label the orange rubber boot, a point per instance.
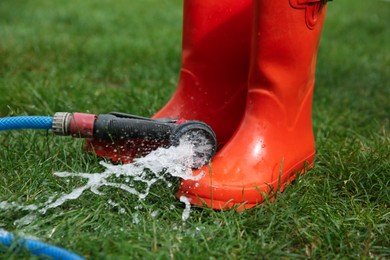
(215, 63)
(214, 75)
(275, 140)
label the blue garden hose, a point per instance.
(26, 122)
(7, 239)
(38, 248)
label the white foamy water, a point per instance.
(28, 219)
(157, 166)
(187, 209)
(4, 205)
(3, 232)
(173, 161)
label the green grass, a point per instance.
(101, 56)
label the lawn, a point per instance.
(102, 56)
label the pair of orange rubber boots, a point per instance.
(248, 71)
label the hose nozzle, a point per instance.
(112, 134)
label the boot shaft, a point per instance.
(215, 62)
(285, 41)
(216, 39)
(286, 35)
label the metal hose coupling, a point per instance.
(74, 124)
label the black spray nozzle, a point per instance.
(114, 127)
(120, 126)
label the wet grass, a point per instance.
(100, 56)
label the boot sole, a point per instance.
(290, 175)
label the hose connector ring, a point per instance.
(61, 123)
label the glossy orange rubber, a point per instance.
(215, 62)
(275, 140)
